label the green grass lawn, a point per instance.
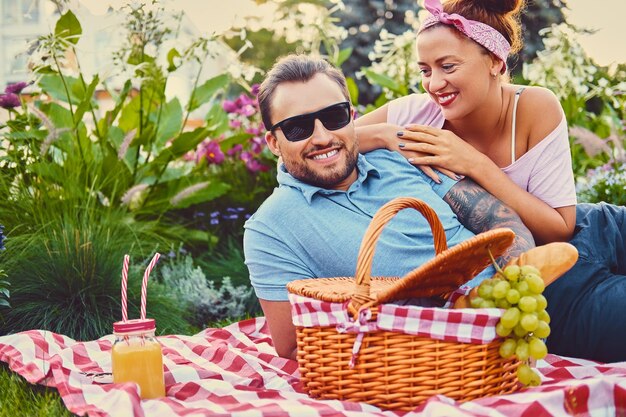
(19, 398)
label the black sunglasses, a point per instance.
(300, 127)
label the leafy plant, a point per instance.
(205, 301)
(593, 97)
(393, 67)
(4, 290)
(606, 182)
(65, 275)
(242, 161)
(80, 186)
(132, 155)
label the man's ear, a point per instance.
(272, 143)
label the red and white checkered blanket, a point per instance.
(234, 371)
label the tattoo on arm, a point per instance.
(480, 211)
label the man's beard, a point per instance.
(328, 178)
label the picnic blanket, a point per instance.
(234, 371)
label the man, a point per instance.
(313, 223)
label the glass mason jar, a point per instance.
(136, 357)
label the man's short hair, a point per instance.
(295, 68)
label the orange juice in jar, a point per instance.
(136, 357)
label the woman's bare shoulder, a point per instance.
(539, 113)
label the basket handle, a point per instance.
(361, 294)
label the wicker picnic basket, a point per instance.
(394, 370)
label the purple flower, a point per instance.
(254, 165)
(16, 88)
(245, 156)
(254, 131)
(247, 105)
(247, 110)
(255, 89)
(229, 106)
(213, 153)
(235, 150)
(258, 144)
(1, 237)
(9, 101)
(243, 100)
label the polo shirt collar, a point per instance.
(364, 169)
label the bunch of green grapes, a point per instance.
(525, 322)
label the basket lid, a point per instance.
(447, 271)
(443, 274)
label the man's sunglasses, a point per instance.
(300, 127)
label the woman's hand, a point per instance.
(440, 148)
(394, 142)
(385, 136)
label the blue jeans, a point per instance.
(588, 303)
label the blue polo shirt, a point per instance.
(303, 231)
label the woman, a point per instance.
(514, 143)
(511, 140)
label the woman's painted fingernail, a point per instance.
(400, 133)
(410, 160)
(438, 180)
(400, 145)
(458, 177)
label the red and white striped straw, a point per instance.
(144, 284)
(124, 288)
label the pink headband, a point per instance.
(479, 32)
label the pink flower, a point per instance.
(229, 106)
(254, 131)
(235, 124)
(234, 150)
(245, 156)
(16, 88)
(212, 152)
(247, 110)
(254, 165)
(258, 144)
(243, 100)
(9, 101)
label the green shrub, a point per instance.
(606, 183)
(130, 157)
(79, 188)
(65, 275)
(593, 99)
(205, 301)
